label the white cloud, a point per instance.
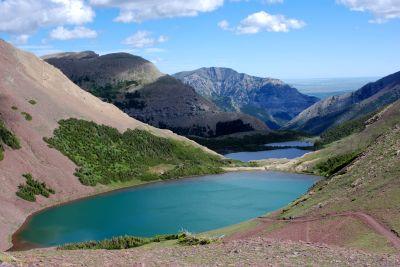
(24, 17)
(144, 39)
(141, 10)
(40, 50)
(383, 10)
(21, 39)
(224, 24)
(262, 21)
(78, 32)
(273, 1)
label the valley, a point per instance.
(303, 175)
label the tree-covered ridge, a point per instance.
(105, 155)
(7, 138)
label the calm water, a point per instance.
(197, 205)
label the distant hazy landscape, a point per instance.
(325, 87)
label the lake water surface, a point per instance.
(288, 150)
(194, 204)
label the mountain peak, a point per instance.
(270, 100)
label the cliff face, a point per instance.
(338, 109)
(270, 100)
(29, 85)
(139, 89)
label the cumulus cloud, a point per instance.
(144, 39)
(141, 10)
(224, 24)
(21, 39)
(78, 32)
(383, 10)
(263, 21)
(24, 17)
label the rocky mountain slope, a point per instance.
(338, 109)
(34, 97)
(270, 100)
(139, 89)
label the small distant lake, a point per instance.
(289, 150)
(195, 204)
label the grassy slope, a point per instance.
(370, 184)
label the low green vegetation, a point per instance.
(7, 138)
(341, 131)
(109, 92)
(188, 239)
(122, 242)
(335, 164)
(33, 188)
(247, 142)
(27, 116)
(104, 155)
(126, 242)
(32, 102)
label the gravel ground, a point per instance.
(248, 252)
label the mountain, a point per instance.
(338, 109)
(139, 89)
(270, 100)
(66, 138)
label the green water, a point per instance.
(195, 204)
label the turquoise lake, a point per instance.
(194, 204)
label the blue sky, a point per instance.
(284, 39)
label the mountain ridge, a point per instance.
(338, 109)
(143, 92)
(268, 99)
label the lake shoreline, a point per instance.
(16, 243)
(20, 245)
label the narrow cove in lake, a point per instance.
(194, 204)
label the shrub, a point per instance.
(104, 155)
(32, 102)
(334, 164)
(33, 188)
(122, 242)
(14, 108)
(27, 116)
(188, 239)
(7, 138)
